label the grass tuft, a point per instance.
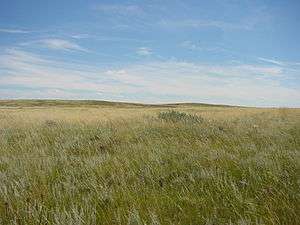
(176, 116)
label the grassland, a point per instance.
(116, 163)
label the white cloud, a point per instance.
(166, 81)
(190, 45)
(289, 64)
(60, 44)
(279, 63)
(144, 51)
(80, 36)
(259, 70)
(232, 84)
(204, 23)
(13, 31)
(121, 9)
(34, 71)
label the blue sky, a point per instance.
(218, 51)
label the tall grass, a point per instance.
(168, 168)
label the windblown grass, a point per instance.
(154, 166)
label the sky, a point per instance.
(238, 52)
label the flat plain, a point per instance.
(89, 162)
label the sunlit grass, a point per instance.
(188, 165)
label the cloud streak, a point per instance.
(196, 24)
(14, 31)
(144, 51)
(189, 45)
(120, 9)
(61, 44)
(276, 62)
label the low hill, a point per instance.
(95, 103)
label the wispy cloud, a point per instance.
(14, 31)
(232, 84)
(276, 62)
(61, 44)
(80, 36)
(121, 9)
(166, 81)
(288, 64)
(144, 51)
(201, 47)
(28, 70)
(204, 23)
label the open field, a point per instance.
(119, 163)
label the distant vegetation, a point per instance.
(69, 103)
(175, 116)
(183, 165)
(89, 103)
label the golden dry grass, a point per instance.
(87, 114)
(129, 164)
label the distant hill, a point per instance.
(95, 103)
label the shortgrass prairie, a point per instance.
(138, 164)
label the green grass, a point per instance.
(168, 168)
(90, 103)
(68, 103)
